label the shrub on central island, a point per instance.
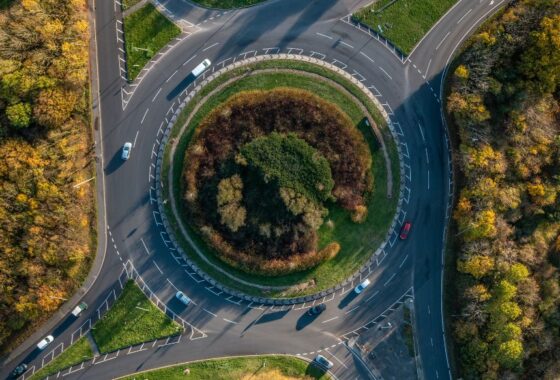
(262, 169)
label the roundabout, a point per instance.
(227, 316)
(346, 229)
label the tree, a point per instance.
(476, 266)
(19, 115)
(510, 353)
(541, 61)
(54, 106)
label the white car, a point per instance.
(182, 297)
(45, 342)
(127, 147)
(361, 286)
(323, 361)
(202, 66)
(78, 309)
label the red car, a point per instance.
(405, 230)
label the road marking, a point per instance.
(143, 117)
(373, 295)
(209, 312)
(389, 280)
(188, 60)
(432, 341)
(158, 268)
(465, 15)
(210, 47)
(429, 311)
(422, 132)
(331, 319)
(402, 263)
(385, 72)
(441, 42)
(351, 310)
(347, 44)
(144, 244)
(338, 360)
(437, 374)
(135, 137)
(170, 283)
(172, 75)
(227, 320)
(324, 35)
(427, 157)
(365, 55)
(427, 69)
(155, 96)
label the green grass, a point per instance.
(129, 3)
(75, 354)
(227, 4)
(251, 367)
(357, 240)
(404, 22)
(146, 31)
(133, 319)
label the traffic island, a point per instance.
(279, 367)
(340, 230)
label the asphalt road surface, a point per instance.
(219, 324)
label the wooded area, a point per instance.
(504, 105)
(46, 222)
(259, 170)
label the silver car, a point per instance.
(182, 297)
(127, 147)
(323, 361)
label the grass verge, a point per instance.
(358, 241)
(403, 22)
(129, 3)
(133, 319)
(146, 32)
(227, 4)
(77, 353)
(241, 368)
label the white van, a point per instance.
(201, 67)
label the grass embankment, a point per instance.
(358, 241)
(77, 353)
(146, 32)
(133, 319)
(227, 4)
(403, 22)
(242, 368)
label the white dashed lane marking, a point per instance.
(324, 35)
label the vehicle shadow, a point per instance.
(181, 87)
(347, 300)
(305, 320)
(271, 317)
(115, 163)
(315, 371)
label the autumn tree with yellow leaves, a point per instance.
(46, 240)
(504, 103)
